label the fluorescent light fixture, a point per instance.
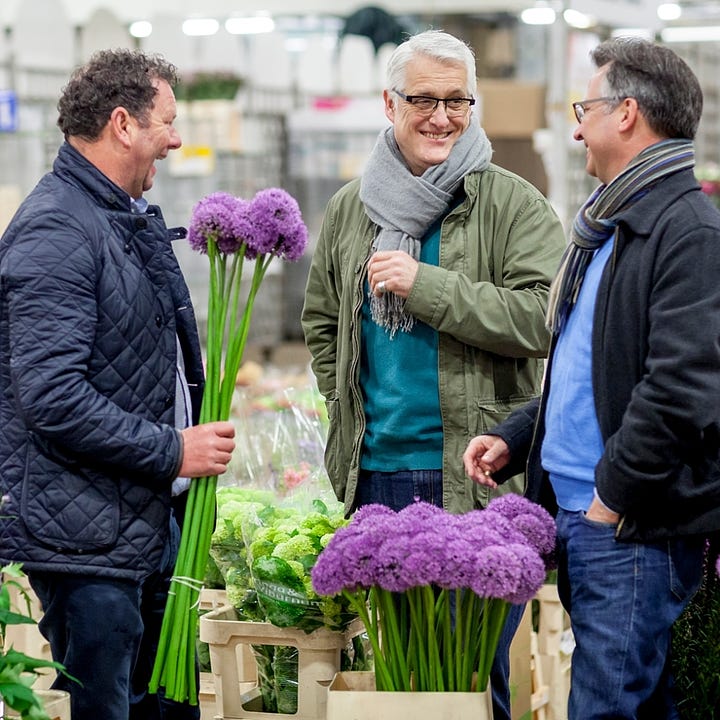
(250, 25)
(141, 29)
(698, 33)
(538, 16)
(200, 26)
(669, 11)
(577, 19)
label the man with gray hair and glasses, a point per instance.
(425, 302)
(626, 438)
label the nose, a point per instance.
(439, 114)
(175, 140)
(577, 133)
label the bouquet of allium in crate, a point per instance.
(433, 589)
(229, 230)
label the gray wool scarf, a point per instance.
(405, 205)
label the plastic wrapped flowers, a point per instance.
(229, 230)
(433, 589)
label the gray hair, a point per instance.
(435, 44)
(666, 89)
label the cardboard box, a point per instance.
(352, 696)
(510, 109)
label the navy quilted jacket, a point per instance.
(91, 302)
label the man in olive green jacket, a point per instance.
(425, 302)
(499, 251)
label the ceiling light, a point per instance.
(698, 33)
(140, 29)
(200, 26)
(577, 19)
(538, 15)
(669, 11)
(250, 25)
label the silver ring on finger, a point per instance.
(381, 286)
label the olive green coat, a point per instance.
(499, 250)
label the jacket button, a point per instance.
(141, 223)
(168, 401)
(158, 320)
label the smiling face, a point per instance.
(598, 130)
(154, 139)
(426, 141)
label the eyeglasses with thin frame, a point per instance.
(427, 105)
(580, 109)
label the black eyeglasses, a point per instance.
(580, 109)
(426, 105)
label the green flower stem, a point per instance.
(239, 335)
(495, 613)
(443, 613)
(469, 615)
(417, 655)
(391, 641)
(175, 662)
(433, 650)
(357, 600)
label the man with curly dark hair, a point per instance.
(100, 383)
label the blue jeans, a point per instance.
(399, 489)
(623, 599)
(105, 631)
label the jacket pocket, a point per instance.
(333, 451)
(68, 507)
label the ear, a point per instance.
(629, 114)
(390, 108)
(121, 125)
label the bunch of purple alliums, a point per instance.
(433, 589)
(229, 230)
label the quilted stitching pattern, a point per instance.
(87, 448)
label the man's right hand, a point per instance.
(207, 449)
(485, 454)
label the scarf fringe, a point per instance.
(389, 313)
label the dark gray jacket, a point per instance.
(91, 302)
(655, 371)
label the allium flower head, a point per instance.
(278, 223)
(531, 519)
(223, 218)
(531, 576)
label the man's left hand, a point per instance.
(597, 512)
(395, 268)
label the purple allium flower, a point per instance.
(717, 566)
(223, 218)
(531, 519)
(424, 559)
(531, 576)
(496, 572)
(351, 558)
(278, 224)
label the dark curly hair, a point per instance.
(110, 79)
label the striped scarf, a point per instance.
(597, 219)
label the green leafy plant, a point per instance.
(18, 671)
(696, 661)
